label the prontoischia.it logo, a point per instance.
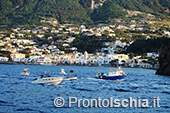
(111, 102)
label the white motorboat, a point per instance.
(25, 72)
(72, 78)
(62, 72)
(47, 79)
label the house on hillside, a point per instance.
(17, 55)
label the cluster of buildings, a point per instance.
(24, 48)
(77, 58)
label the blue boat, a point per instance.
(113, 75)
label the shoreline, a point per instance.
(21, 63)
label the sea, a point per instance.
(18, 94)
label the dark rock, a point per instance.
(164, 59)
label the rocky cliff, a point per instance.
(164, 59)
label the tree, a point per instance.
(114, 62)
(131, 55)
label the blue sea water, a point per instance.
(18, 94)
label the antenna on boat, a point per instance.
(97, 71)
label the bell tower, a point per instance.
(92, 4)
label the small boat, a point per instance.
(25, 72)
(116, 75)
(71, 78)
(47, 79)
(62, 72)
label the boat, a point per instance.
(112, 75)
(25, 72)
(71, 71)
(62, 72)
(72, 78)
(48, 80)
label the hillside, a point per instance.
(13, 12)
(144, 46)
(107, 11)
(31, 11)
(114, 8)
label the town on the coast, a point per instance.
(55, 44)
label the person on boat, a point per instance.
(71, 76)
(71, 71)
(110, 70)
(67, 77)
(24, 70)
(97, 74)
(123, 73)
(48, 75)
(119, 68)
(42, 76)
(34, 79)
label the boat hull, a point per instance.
(112, 77)
(63, 73)
(72, 78)
(27, 73)
(48, 80)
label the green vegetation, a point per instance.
(144, 46)
(89, 44)
(30, 12)
(108, 11)
(149, 6)
(26, 52)
(5, 53)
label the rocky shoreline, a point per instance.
(164, 59)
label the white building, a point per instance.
(146, 65)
